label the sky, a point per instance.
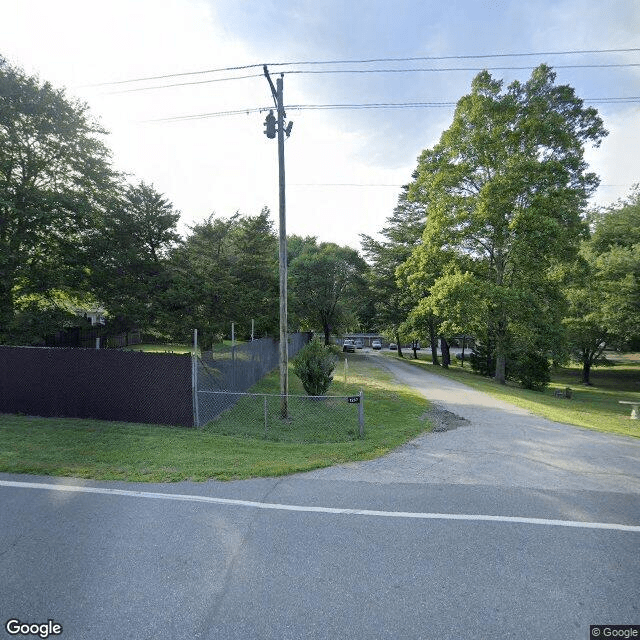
(344, 167)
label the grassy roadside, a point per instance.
(104, 450)
(595, 407)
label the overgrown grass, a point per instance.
(594, 407)
(150, 453)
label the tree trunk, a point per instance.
(327, 335)
(414, 346)
(446, 354)
(398, 343)
(501, 361)
(586, 371)
(464, 343)
(434, 342)
(501, 328)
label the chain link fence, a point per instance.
(239, 368)
(234, 370)
(222, 402)
(165, 388)
(308, 418)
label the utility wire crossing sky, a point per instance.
(369, 84)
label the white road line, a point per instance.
(328, 510)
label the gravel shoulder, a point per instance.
(479, 440)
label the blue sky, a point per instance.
(344, 168)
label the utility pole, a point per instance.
(270, 132)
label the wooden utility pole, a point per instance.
(270, 132)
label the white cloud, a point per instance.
(615, 161)
(227, 164)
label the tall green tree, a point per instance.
(254, 266)
(402, 232)
(614, 250)
(505, 188)
(604, 295)
(225, 271)
(325, 280)
(55, 173)
(127, 252)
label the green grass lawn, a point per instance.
(172, 347)
(150, 453)
(595, 407)
(160, 348)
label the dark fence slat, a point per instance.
(102, 384)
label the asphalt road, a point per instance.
(355, 551)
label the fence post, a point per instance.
(234, 386)
(346, 370)
(194, 379)
(361, 413)
(265, 418)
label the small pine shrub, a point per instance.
(531, 370)
(314, 365)
(483, 360)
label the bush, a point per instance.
(314, 365)
(483, 360)
(531, 370)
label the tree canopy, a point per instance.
(225, 271)
(55, 172)
(126, 252)
(325, 280)
(604, 293)
(401, 234)
(505, 188)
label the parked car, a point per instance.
(349, 345)
(393, 346)
(359, 343)
(376, 344)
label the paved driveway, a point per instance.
(490, 442)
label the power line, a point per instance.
(451, 69)
(358, 106)
(184, 84)
(371, 184)
(371, 71)
(213, 114)
(176, 75)
(342, 184)
(371, 105)
(365, 61)
(461, 57)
